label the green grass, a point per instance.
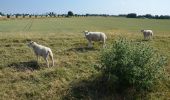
(75, 72)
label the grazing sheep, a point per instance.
(43, 51)
(147, 34)
(95, 36)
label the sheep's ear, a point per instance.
(31, 42)
(86, 31)
(28, 40)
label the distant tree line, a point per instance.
(51, 14)
(149, 16)
(71, 14)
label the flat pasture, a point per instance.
(75, 64)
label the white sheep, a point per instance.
(95, 36)
(147, 34)
(43, 51)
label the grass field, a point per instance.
(75, 68)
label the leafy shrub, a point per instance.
(134, 65)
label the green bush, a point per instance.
(135, 65)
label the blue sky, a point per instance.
(155, 7)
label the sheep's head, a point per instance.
(142, 30)
(86, 32)
(31, 43)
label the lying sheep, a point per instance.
(147, 34)
(95, 36)
(43, 51)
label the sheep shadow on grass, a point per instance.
(80, 47)
(25, 66)
(143, 40)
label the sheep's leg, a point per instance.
(150, 37)
(90, 44)
(52, 62)
(51, 56)
(37, 58)
(145, 37)
(104, 44)
(46, 59)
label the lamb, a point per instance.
(147, 34)
(95, 36)
(43, 51)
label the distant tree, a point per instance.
(8, 16)
(52, 14)
(17, 15)
(2, 14)
(87, 14)
(122, 15)
(29, 16)
(23, 16)
(161, 17)
(164, 17)
(156, 16)
(148, 16)
(70, 13)
(75, 15)
(63, 15)
(132, 15)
